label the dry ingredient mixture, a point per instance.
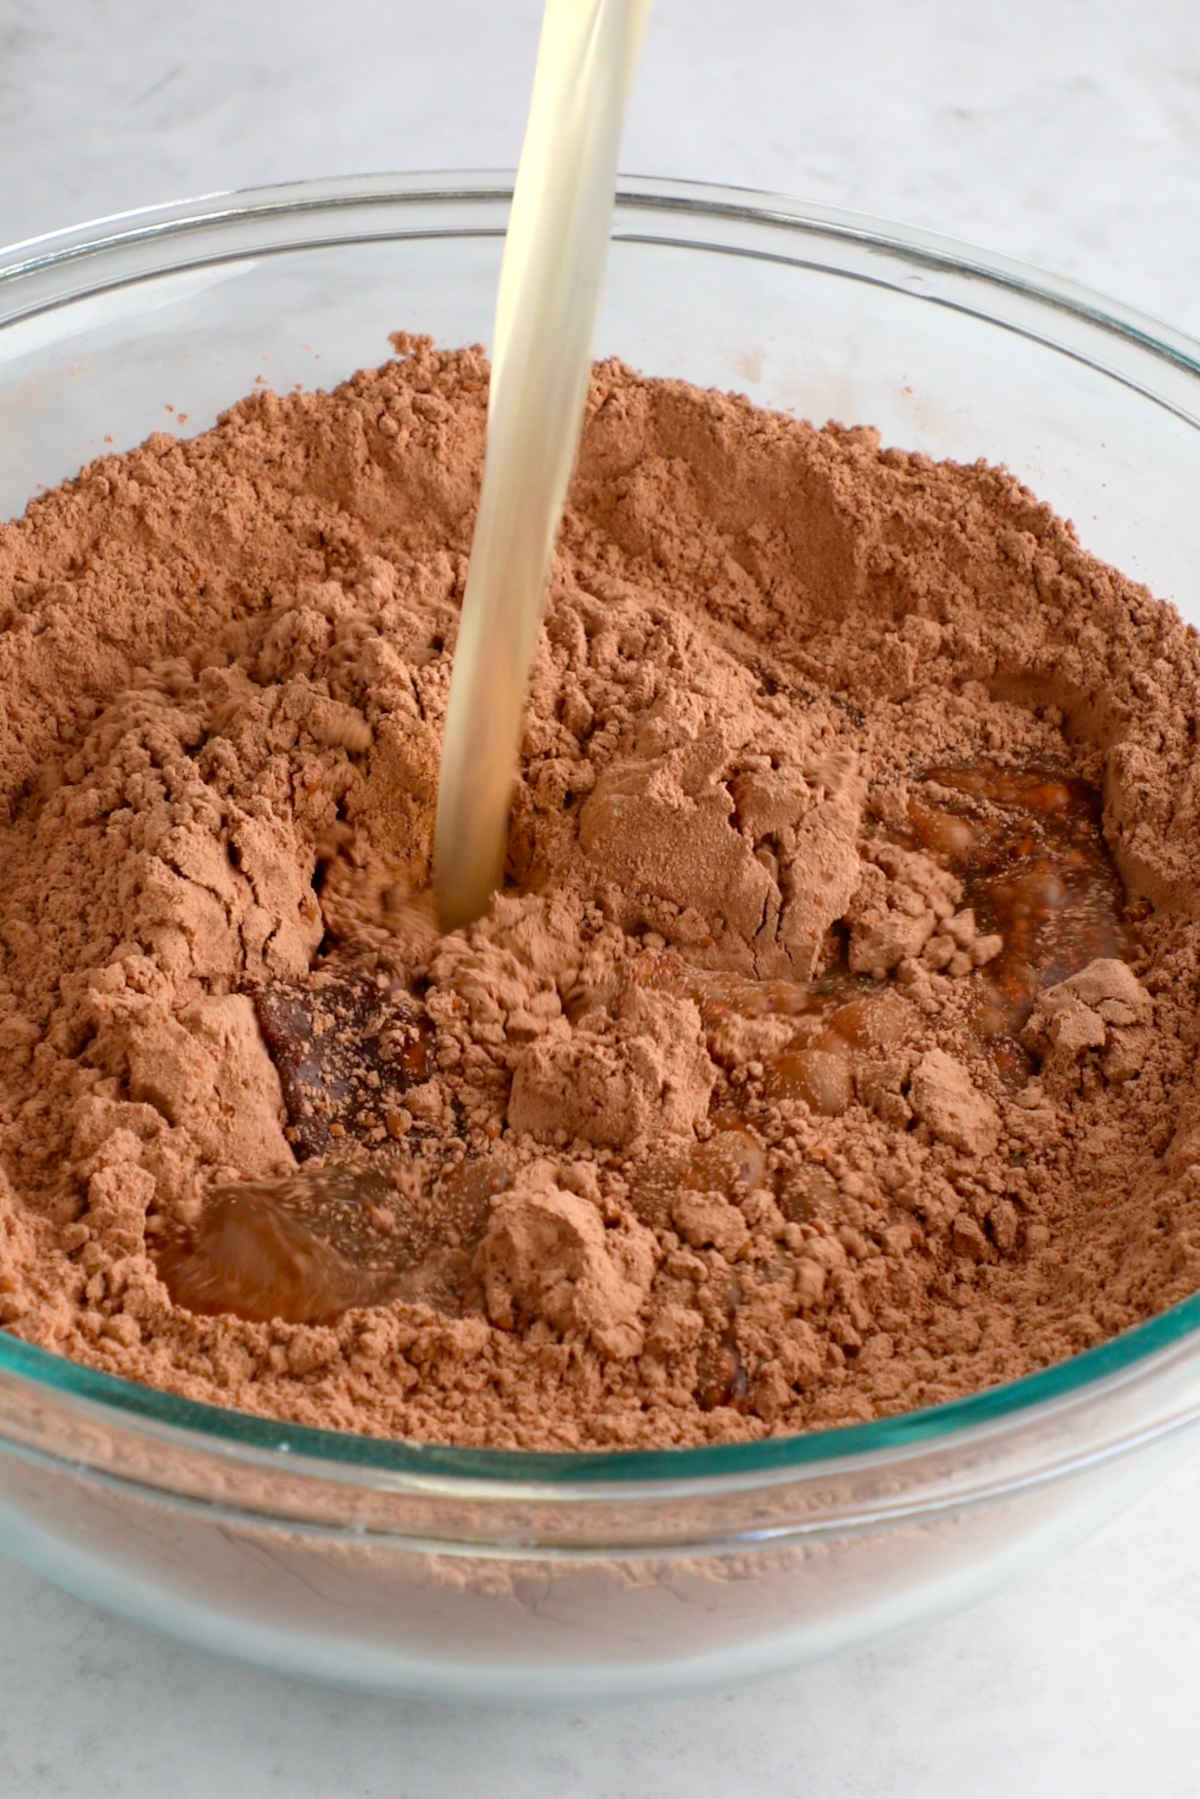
(831, 1051)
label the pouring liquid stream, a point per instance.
(292, 1248)
(550, 283)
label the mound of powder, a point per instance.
(830, 1051)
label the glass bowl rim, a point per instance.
(242, 1434)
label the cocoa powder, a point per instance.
(830, 1052)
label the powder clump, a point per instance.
(547, 1256)
(620, 1075)
(945, 1098)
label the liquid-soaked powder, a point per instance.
(830, 1052)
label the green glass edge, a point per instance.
(774, 1455)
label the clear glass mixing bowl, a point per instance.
(499, 1575)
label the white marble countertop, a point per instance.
(1065, 132)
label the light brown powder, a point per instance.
(815, 1063)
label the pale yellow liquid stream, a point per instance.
(550, 283)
